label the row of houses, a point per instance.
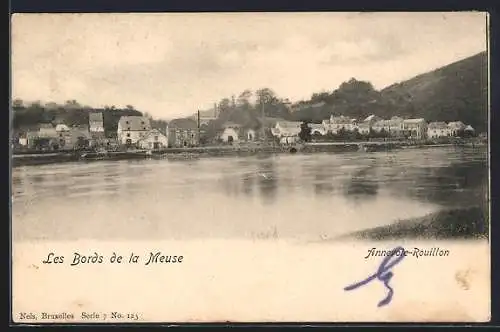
(131, 131)
(137, 131)
(185, 132)
(62, 136)
(418, 128)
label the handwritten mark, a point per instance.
(383, 274)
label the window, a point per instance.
(142, 122)
(156, 138)
(128, 134)
(126, 123)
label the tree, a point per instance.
(129, 107)
(319, 97)
(72, 104)
(342, 133)
(305, 132)
(224, 105)
(244, 98)
(266, 96)
(81, 143)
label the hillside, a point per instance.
(458, 91)
(354, 98)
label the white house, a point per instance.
(250, 134)
(287, 128)
(456, 127)
(317, 129)
(438, 129)
(231, 132)
(336, 123)
(132, 128)
(415, 128)
(47, 130)
(61, 128)
(366, 125)
(469, 129)
(23, 141)
(393, 126)
(96, 123)
(153, 140)
(287, 131)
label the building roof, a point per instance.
(135, 123)
(315, 126)
(152, 132)
(370, 118)
(456, 124)
(230, 124)
(183, 123)
(289, 124)
(341, 119)
(62, 127)
(46, 125)
(82, 127)
(95, 117)
(437, 125)
(419, 120)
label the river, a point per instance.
(291, 196)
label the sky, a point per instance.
(171, 64)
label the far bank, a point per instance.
(25, 158)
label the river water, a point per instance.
(290, 196)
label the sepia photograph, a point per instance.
(250, 167)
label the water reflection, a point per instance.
(323, 183)
(363, 184)
(267, 181)
(299, 195)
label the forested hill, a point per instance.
(454, 92)
(458, 91)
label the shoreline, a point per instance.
(45, 158)
(450, 223)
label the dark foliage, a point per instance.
(305, 132)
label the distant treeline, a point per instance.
(72, 113)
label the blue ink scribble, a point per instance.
(383, 274)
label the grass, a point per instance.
(460, 223)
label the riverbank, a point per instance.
(460, 223)
(42, 158)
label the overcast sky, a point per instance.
(172, 64)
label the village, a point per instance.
(136, 132)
